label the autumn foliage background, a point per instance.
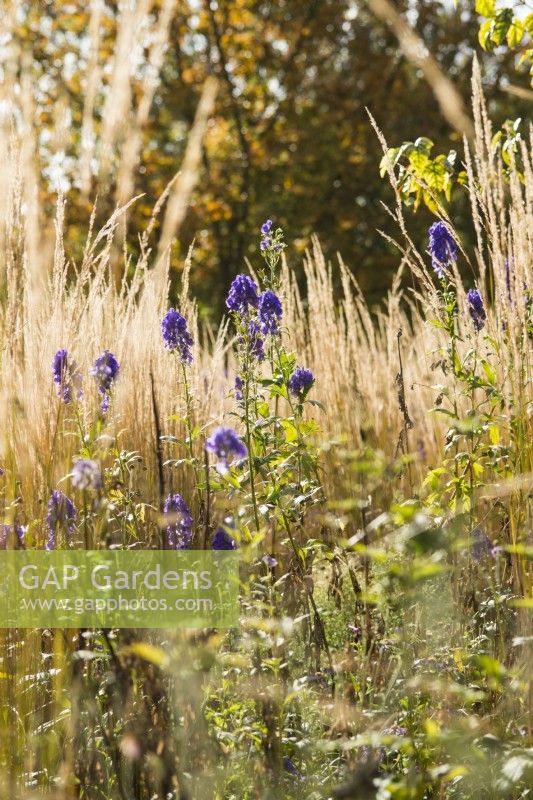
(106, 94)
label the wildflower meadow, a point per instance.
(368, 464)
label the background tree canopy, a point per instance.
(289, 138)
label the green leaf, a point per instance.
(424, 144)
(489, 372)
(500, 25)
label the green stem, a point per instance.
(249, 447)
(188, 423)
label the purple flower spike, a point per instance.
(290, 767)
(224, 443)
(105, 372)
(300, 381)
(61, 513)
(270, 312)
(255, 344)
(179, 531)
(66, 377)
(223, 541)
(176, 335)
(86, 475)
(442, 246)
(476, 309)
(242, 294)
(6, 530)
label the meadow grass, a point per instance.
(385, 647)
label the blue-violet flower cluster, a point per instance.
(223, 541)
(179, 531)
(86, 474)
(225, 444)
(61, 512)
(6, 530)
(105, 371)
(242, 294)
(300, 381)
(476, 309)
(66, 377)
(176, 335)
(270, 312)
(442, 246)
(255, 344)
(266, 227)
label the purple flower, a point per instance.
(442, 246)
(265, 243)
(223, 541)
(269, 560)
(6, 530)
(266, 227)
(242, 294)
(289, 766)
(66, 377)
(61, 512)
(476, 309)
(270, 312)
(225, 443)
(86, 474)
(176, 335)
(179, 531)
(105, 371)
(255, 343)
(395, 730)
(300, 381)
(239, 385)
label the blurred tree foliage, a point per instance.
(290, 138)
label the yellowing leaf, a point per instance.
(458, 658)
(149, 652)
(494, 434)
(515, 34)
(486, 7)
